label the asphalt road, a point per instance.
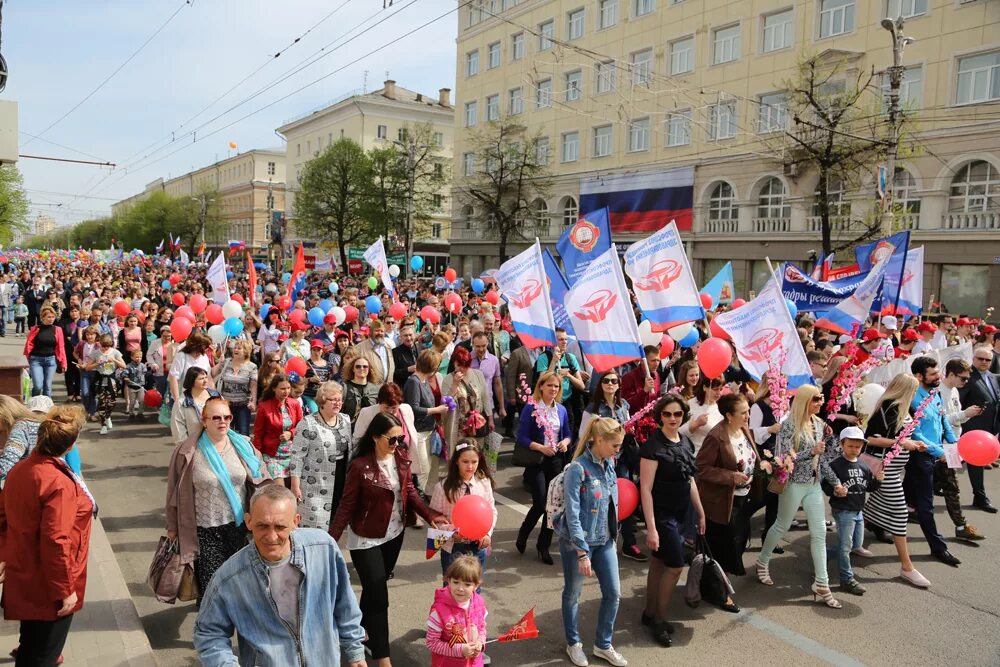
(957, 621)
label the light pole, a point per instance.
(410, 149)
(203, 212)
(895, 72)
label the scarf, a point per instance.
(246, 453)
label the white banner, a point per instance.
(217, 279)
(883, 374)
(375, 256)
(662, 280)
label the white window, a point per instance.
(546, 33)
(975, 188)
(493, 52)
(571, 212)
(722, 121)
(605, 77)
(570, 146)
(516, 106)
(575, 19)
(603, 140)
(679, 128)
(542, 150)
(638, 135)
(438, 202)
(382, 132)
(643, 7)
(911, 89)
(979, 78)
(777, 31)
(439, 139)
(470, 114)
(472, 63)
(543, 94)
(475, 15)
(642, 66)
(468, 164)
(836, 17)
(904, 191)
(836, 203)
(271, 167)
(574, 86)
(493, 107)
(771, 200)
(609, 13)
(905, 8)
(517, 46)
(722, 203)
(682, 55)
(726, 45)
(403, 134)
(772, 115)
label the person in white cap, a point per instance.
(888, 327)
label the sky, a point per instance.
(59, 51)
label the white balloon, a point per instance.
(680, 331)
(217, 333)
(232, 308)
(339, 313)
(647, 335)
(394, 270)
(867, 398)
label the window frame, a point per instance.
(564, 144)
(788, 30)
(493, 110)
(471, 113)
(774, 202)
(603, 12)
(576, 26)
(732, 41)
(547, 83)
(780, 111)
(640, 127)
(685, 127)
(603, 134)
(546, 34)
(714, 119)
(720, 207)
(469, 163)
(992, 70)
(543, 144)
(472, 63)
(849, 9)
(889, 14)
(638, 78)
(648, 5)
(519, 98)
(687, 54)
(489, 55)
(572, 85)
(517, 43)
(606, 71)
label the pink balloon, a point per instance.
(706, 301)
(450, 274)
(453, 303)
(493, 297)
(181, 328)
(628, 498)
(238, 298)
(198, 303)
(185, 312)
(980, 448)
(296, 365)
(473, 517)
(430, 314)
(714, 357)
(397, 311)
(736, 304)
(352, 314)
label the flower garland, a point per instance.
(640, 425)
(849, 376)
(777, 385)
(909, 427)
(550, 430)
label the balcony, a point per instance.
(978, 221)
(720, 227)
(838, 225)
(772, 225)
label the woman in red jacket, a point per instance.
(377, 496)
(274, 427)
(45, 517)
(46, 352)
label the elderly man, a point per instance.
(287, 596)
(982, 389)
(377, 350)
(485, 361)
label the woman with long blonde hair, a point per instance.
(802, 436)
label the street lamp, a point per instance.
(203, 212)
(410, 149)
(895, 72)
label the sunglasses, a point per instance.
(609, 381)
(218, 419)
(817, 399)
(396, 440)
(360, 367)
(964, 378)
(669, 414)
(986, 359)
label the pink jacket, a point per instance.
(450, 631)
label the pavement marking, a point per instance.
(513, 504)
(808, 646)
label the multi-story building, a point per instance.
(44, 224)
(375, 119)
(619, 87)
(248, 189)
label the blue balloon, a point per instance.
(373, 305)
(229, 275)
(689, 340)
(260, 265)
(136, 270)
(478, 285)
(792, 309)
(316, 316)
(165, 284)
(325, 305)
(333, 287)
(264, 310)
(286, 277)
(416, 262)
(233, 326)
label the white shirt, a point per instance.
(953, 409)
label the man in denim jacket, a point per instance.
(287, 595)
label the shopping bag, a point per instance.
(491, 449)
(168, 578)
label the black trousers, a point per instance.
(728, 541)
(42, 642)
(918, 485)
(769, 501)
(976, 480)
(72, 378)
(373, 566)
(537, 479)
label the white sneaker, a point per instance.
(576, 654)
(611, 655)
(864, 553)
(108, 423)
(915, 578)
(104, 430)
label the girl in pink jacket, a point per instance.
(456, 625)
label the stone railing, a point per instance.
(982, 220)
(720, 226)
(772, 225)
(837, 224)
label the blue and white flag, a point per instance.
(184, 259)
(911, 288)
(217, 279)
(159, 248)
(662, 280)
(601, 312)
(760, 330)
(523, 284)
(868, 255)
(810, 295)
(853, 311)
(583, 242)
(375, 256)
(558, 286)
(720, 288)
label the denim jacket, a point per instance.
(238, 599)
(588, 484)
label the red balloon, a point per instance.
(714, 357)
(667, 345)
(736, 304)
(181, 328)
(979, 448)
(238, 298)
(397, 311)
(450, 274)
(178, 299)
(152, 398)
(213, 313)
(718, 331)
(297, 315)
(430, 314)
(296, 365)
(628, 498)
(186, 313)
(493, 297)
(122, 308)
(473, 517)
(198, 303)
(706, 301)
(453, 303)
(285, 302)
(174, 278)
(351, 313)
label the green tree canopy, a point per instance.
(13, 203)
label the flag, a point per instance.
(436, 538)
(375, 256)
(328, 264)
(911, 289)
(843, 272)
(236, 246)
(662, 279)
(159, 248)
(869, 253)
(217, 279)
(175, 243)
(526, 628)
(881, 179)
(854, 310)
(584, 242)
(817, 272)
(601, 311)
(760, 330)
(252, 273)
(558, 286)
(811, 295)
(720, 288)
(184, 257)
(641, 202)
(522, 281)
(298, 279)
(201, 249)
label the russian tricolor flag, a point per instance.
(854, 310)
(524, 285)
(641, 202)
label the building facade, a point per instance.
(44, 224)
(643, 86)
(376, 119)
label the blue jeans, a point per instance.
(241, 418)
(87, 392)
(42, 370)
(851, 534)
(604, 561)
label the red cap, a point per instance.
(927, 326)
(910, 335)
(989, 328)
(329, 318)
(871, 334)
(342, 334)
(317, 343)
(963, 322)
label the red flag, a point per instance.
(201, 249)
(252, 270)
(298, 274)
(523, 629)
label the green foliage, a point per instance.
(13, 203)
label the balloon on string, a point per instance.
(628, 498)
(213, 313)
(350, 314)
(867, 398)
(238, 298)
(394, 270)
(691, 339)
(286, 277)
(792, 308)
(646, 333)
(233, 326)
(333, 287)
(453, 303)
(397, 311)
(680, 332)
(340, 314)
(296, 365)
(372, 282)
(265, 308)
(980, 448)
(181, 328)
(229, 275)
(122, 308)
(718, 331)
(186, 313)
(472, 516)
(136, 270)
(285, 302)
(217, 333)
(297, 316)
(178, 299)
(416, 262)
(316, 316)
(450, 274)
(736, 304)
(706, 300)
(667, 346)
(152, 398)
(325, 305)
(714, 357)
(165, 284)
(430, 314)
(493, 297)
(232, 308)
(373, 305)
(198, 303)
(174, 279)
(478, 285)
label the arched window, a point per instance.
(975, 188)
(722, 202)
(839, 207)
(904, 191)
(771, 200)
(540, 212)
(570, 211)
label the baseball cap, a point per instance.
(963, 322)
(909, 335)
(342, 334)
(40, 404)
(852, 433)
(317, 343)
(927, 326)
(871, 334)
(890, 323)
(989, 328)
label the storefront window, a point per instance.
(963, 288)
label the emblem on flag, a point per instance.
(529, 291)
(597, 306)
(660, 277)
(584, 235)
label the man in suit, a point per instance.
(983, 389)
(995, 366)
(376, 349)
(404, 355)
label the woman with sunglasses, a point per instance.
(274, 427)
(359, 391)
(803, 436)
(269, 367)
(377, 496)
(185, 417)
(210, 479)
(319, 457)
(704, 410)
(668, 494)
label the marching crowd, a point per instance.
(294, 432)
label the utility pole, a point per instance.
(895, 72)
(410, 148)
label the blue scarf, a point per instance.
(245, 450)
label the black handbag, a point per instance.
(524, 457)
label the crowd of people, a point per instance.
(295, 434)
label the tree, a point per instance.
(152, 219)
(329, 204)
(507, 176)
(384, 207)
(13, 203)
